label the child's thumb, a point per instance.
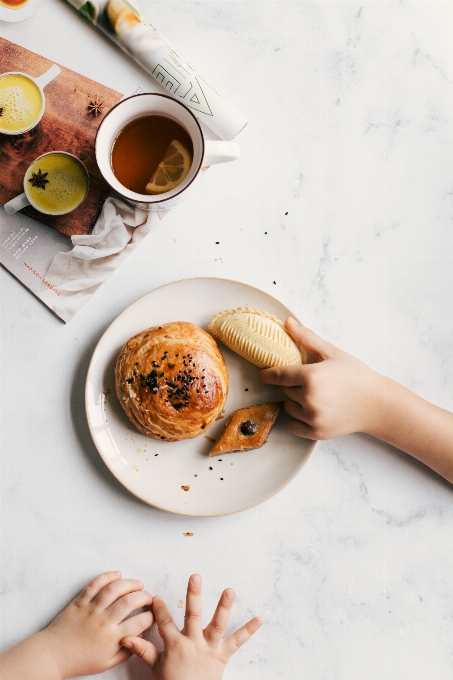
(311, 342)
(142, 648)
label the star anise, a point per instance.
(38, 179)
(1, 111)
(95, 107)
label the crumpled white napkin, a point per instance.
(78, 273)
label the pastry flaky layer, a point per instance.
(258, 337)
(172, 381)
(247, 428)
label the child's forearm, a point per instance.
(29, 660)
(415, 426)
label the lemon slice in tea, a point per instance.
(172, 170)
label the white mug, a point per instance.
(204, 152)
(41, 81)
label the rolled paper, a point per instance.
(122, 23)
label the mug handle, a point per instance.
(16, 204)
(220, 152)
(45, 78)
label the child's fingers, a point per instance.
(312, 343)
(96, 585)
(142, 648)
(295, 410)
(135, 625)
(119, 657)
(112, 592)
(232, 643)
(215, 629)
(289, 376)
(129, 603)
(168, 630)
(192, 617)
(297, 394)
(301, 429)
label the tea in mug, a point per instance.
(20, 103)
(56, 183)
(152, 155)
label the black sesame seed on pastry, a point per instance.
(172, 381)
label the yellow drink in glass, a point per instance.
(21, 103)
(56, 183)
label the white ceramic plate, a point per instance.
(155, 471)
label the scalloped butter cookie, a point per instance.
(257, 336)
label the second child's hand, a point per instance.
(193, 653)
(336, 394)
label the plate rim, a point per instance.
(87, 380)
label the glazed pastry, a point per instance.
(258, 337)
(171, 381)
(247, 428)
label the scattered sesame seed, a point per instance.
(275, 283)
(246, 389)
(211, 468)
(286, 213)
(217, 243)
(221, 479)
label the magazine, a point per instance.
(64, 271)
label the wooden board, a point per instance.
(67, 125)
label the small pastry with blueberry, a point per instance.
(247, 428)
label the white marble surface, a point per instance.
(351, 566)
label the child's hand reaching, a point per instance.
(337, 394)
(334, 394)
(192, 653)
(85, 638)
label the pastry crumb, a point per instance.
(181, 604)
(185, 487)
(188, 533)
(135, 468)
(195, 475)
(210, 439)
(284, 226)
